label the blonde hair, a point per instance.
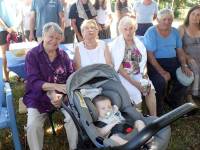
(165, 12)
(88, 22)
(126, 20)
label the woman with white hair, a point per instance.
(129, 59)
(91, 50)
(165, 55)
(47, 68)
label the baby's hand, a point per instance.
(139, 125)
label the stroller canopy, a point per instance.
(88, 76)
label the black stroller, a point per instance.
(84, 113)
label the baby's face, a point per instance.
(103, 107)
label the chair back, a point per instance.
(7, 112)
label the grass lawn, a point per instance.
(185, 131)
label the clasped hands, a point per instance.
(57, 94)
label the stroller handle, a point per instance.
(137, 141)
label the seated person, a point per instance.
(47, 68)
(165, 55)
(190, 34)
(110, 121)
(91, 50)
(129, 58)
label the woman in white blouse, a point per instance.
(91, 50)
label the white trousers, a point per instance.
(134, 93)
(35, 131)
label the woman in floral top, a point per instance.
(129, 58)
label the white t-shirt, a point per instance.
(92, 56)
(145, 13)
(103, 16)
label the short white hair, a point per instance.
(125, 21)
(165, 12)
(52, 25)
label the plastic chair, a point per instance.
(7, 113)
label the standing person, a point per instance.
(190, 34)
(165, 55)
(26, 14)
(104, 18)
(91, 50)
(145, 12)
(68, 30)
(43, 12)
(129, 58)
(47, 68)
(122, 8)
(9, 23)
(80, 11)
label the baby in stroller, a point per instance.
(86, 114)
(110, 121)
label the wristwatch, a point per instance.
(185, 65)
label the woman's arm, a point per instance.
(127, 77)
(73, 24)
(107, 56)
(54, 87)
(77, 58)
(183, 60)
(152, 60)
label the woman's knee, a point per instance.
(34, 127)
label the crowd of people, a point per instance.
(146, 56)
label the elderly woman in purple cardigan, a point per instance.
(47, 70)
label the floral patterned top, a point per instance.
(132, 58)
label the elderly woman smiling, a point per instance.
(129, 59)
(91, 50)
(165, 55)
(47, 70)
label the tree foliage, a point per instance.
(179, 6)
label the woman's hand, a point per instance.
(60, 88)
(56, 99)
(54, 87)
(141, 88)
(186, 70)
(10, 30)
(80, 38)
(138, 86)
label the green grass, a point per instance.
(185, 131)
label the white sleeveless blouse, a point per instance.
(92, 56)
